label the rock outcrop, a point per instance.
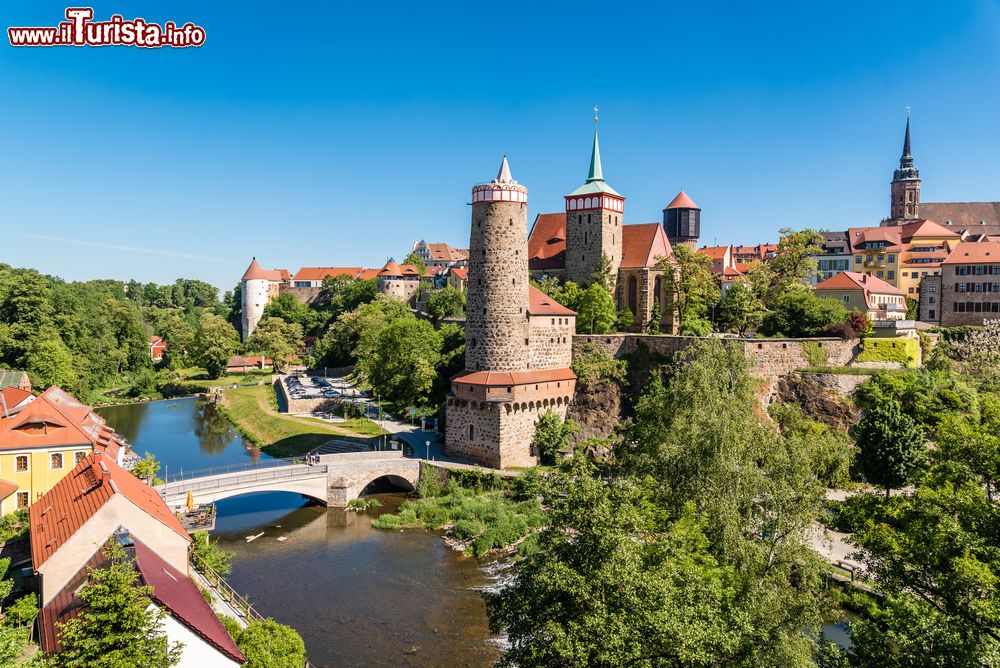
(823, 397)
(596, 408)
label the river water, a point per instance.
(358, 596)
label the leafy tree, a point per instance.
(49, 361)
(794, 264)
(689, 279)
(116, 627)
(447, 302)
(146, 468)
(695, 327)
(353, 336)
(655, 316)
(402, 365)
(624, 320)
(978, 353)
(568, 294)
(416, 261)
(912, 308)
(552, 436)
(276, 339)
(291, 310)
(973, 441)
(233, 300)
(742, 308)
(800, 313)
(12, 644)
(891, 446)
(603, 274)
(210, 554)
(22, 612)
(860, 323)
(214, 343)
(340, 294)
(593, 366)
(595, 311)
(268, 644)
(178, 335)
(924, 395)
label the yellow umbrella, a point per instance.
(190, 500)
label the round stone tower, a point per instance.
(496, 316)
(255, 293)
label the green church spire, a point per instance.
(596, 174)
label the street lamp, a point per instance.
(427, 444)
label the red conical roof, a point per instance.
(255, 271)
(682, 201)
(391, 269)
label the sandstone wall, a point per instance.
(551, 341)
(500, 435)
(304, 295)
(591, 233)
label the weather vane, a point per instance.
(595, 115)
(907, 111)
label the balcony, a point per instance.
(875, 263)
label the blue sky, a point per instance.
(338, 133)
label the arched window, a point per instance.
(658, 290)
(633, 295)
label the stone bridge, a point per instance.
(335, 481)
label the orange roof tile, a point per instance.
(6, 489)
(714, 252)
(547, 242)
(72, 501)
(53, 418)
(257, 272)
(461, 273)
(974, 251)
(643, 244)
(540, 303)
(367, 274)
(391, 268)
(319, 273)
(11, 398)
(682, 201)
(926, 228)
(505, 378)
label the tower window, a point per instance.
(472, 432)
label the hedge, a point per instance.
(905, 351)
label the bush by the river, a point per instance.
(483, 522)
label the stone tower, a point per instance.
(255, 292)
(682, 221)
(496, 321)
(518, 342)
(593, 224)
(905, 198)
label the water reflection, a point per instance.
(214, 431)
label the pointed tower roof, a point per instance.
(906, 142)
(595, 177)
(255, 271)
(682, 201)
(391, 269)
(503, 176)
(906, 171)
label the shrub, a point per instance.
(841, 330)
(210, 554)
(904, 351)
(232, 626)
(466, 529)
(387, 521)
(593, 366)
(268, 644)
(815, 354)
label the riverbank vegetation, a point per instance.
(253, 412)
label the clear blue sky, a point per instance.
(338, 133)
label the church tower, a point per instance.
(905, 199)
(593, 224)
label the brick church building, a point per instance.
(570, 244)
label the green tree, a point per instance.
(116, 627)
(276, 339)
(214, 343)
(568, 294)
(973, 441)
(146, 468)
(603, 274)
(403, 364)
(552, 436)
(655, 316)
(794, 265)
(210, 554)
(689, 279)
(179, 335)
(268, 644)
(800, 313)
(742, 309)
(624, 321)
(891, 446)
(49, 361)
(354, 335)
(291, 310)
(595, 311)
(447, 302)
(416, 261)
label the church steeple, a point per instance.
(596, 173)
(905, 198)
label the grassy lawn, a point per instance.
(252, 410)
(196, 377)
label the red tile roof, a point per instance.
(255, 272)
(682, 201)
(391, 268)
(926, 228)
(540, 303)
(714, 252)
(6, 489)
(319, 273)
(172, 591)
(974, 251)
(55, 418)
(547, 242)
(460, 273)
(444, 253)
(11, 398)
(72, 501)
(851, 280)
(367, 274)
(505, 378)
(643, 244)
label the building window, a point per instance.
(857, 258)
(932, 314)
(56, 460)
(472, 432)
(910, 290)
(892, 258)
(23, 499)
(78, 457)
(21, 463)
(847, 299)
(880, 274)
(892, 275)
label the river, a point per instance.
(358, 596)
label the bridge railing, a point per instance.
(181, 475)
(286, 472)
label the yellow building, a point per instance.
(901, 255)
(42, 438)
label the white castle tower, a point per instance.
(259, 286)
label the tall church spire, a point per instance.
(905, 188)
(596, 174)
(906, 160)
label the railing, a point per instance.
(228, 468)
(289, 471)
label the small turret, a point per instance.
(682, 220)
